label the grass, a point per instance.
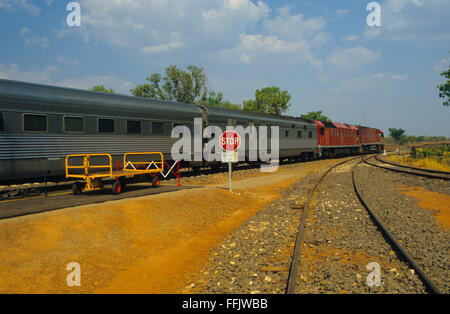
(437, 158)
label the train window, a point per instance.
(299, 133)
(157, 128)
(73, 124)
(286, 133)
(106, 125)
(322, 131)
(133, 127)
(35, 123)
(310, 134)
(1, 122)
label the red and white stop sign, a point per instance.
(230, 141)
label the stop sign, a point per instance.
(230, 141)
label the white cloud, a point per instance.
(36, 75)
(341, 12)
(377, 76)
(393, 77)
(351, 38)
(33, 41)
(399, 77)
(413, 20)
(293, 27)
(44, 76)
(37, 41)
(24, 31)
(20, 5)
(352, 58)
(232, 16)
(442, 65)
(166, 25)
(175, 43)
(66, 60)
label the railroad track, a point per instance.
(393, 166)
(293, 270)
(31, 190)
(388, 236)
(391, 238)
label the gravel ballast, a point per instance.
(340, 242)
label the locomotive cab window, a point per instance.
(299, 133)
(322, 131)
(157, 128)
(310, 134)
(34, 123)
(133, 127)
(73, 124)
(286, 133)
(106, 125)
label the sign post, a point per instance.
(230, 142)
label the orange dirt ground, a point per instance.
(150, 244)
(437, 202)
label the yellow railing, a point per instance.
(135, 164)
(87, 165)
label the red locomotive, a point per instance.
(371, 139)
(339, 139)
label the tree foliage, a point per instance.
(101, 88)
(216, 99)
(177, 85)
(444, 89)
(396, 134)
(182, 86)
(269, 100)
(315, 115)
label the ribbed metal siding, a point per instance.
(27, 147)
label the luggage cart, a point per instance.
(131, 171)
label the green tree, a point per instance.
(269, 100)
(315, 115)
(101, 88)
(396, 134)
(216, 99)
(151, 90)
(444, 89)
(179, 85)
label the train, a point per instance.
(41, 124)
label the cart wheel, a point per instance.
(77, 188)
(155, 182)
(116, 188)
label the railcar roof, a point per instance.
(217, 112)
(89, 100)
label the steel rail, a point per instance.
(411, 167)
(426, 280)
(293, 270)
(426, 175)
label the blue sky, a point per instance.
(322, 52)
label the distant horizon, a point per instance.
(323, 52)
